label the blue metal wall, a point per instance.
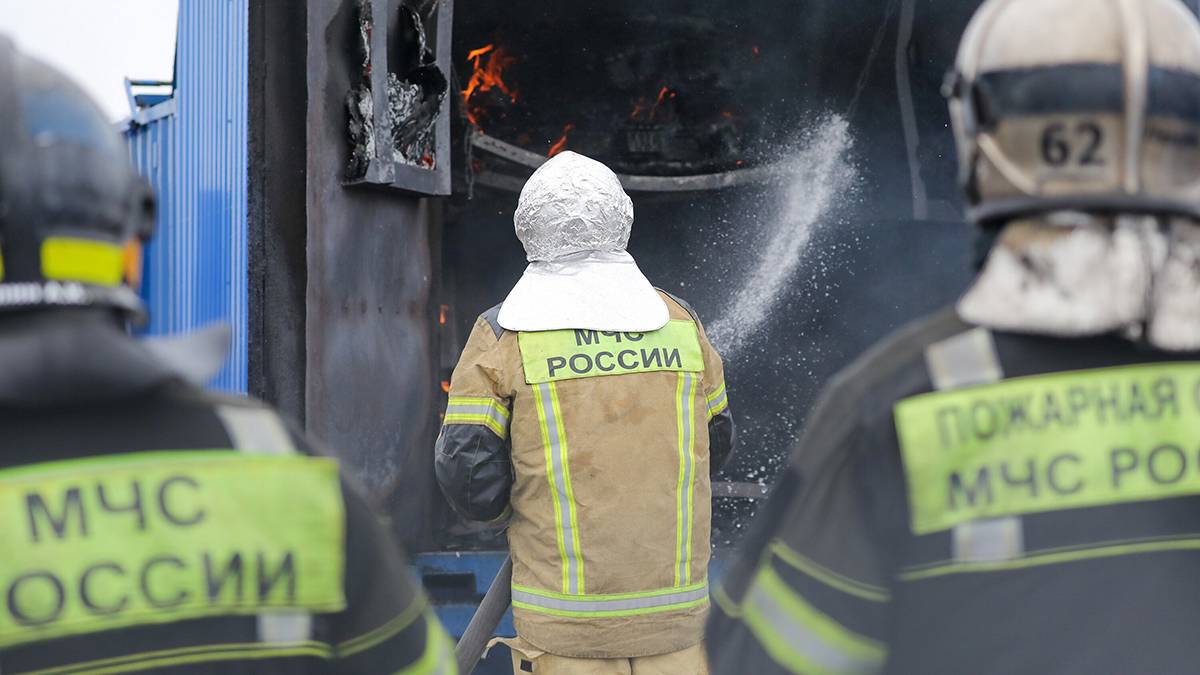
(196, 267)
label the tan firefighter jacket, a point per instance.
(602, 445)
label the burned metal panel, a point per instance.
(196, 265)
(398, 105)
(277, 231)
(370, 374)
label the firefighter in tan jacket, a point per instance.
(592, 408)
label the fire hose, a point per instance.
(483, 624)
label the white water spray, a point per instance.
(809, 185)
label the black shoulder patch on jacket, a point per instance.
(492, 317)
(682, 303)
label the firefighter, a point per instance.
(591, 408)
(148, 525)
(1013, 485)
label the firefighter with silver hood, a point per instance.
(1013, 485)
(590, 409)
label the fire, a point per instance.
(639, 106)
(474, 54)
(663, 94)
(651, 111)
(561, 144)
(487, 74)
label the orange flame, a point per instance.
(663, 94)
(639, 107)
(486, 76)
(474, 54)
(651, 111)
(561, 144)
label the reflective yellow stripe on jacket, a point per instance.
(802, 638)
(558, 472)
(481, 410)
(618, 604)
(438, 656)
(717, 401)
(685, 393)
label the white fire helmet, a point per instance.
(574, 220)
(1079, 105)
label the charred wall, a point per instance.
(340, 276)
(370, 369)
(277, 229)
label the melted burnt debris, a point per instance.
(415, 98)
(359, 106)
(416, 87)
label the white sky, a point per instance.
(97, 42)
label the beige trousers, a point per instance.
(529, 659)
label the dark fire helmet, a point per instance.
(73, 212)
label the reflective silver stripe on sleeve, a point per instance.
(259, 431)
(801, 639)
(969, 359)
(961, 361)
(480, 410)
(474, 409)
(610, 606)
(991, 540)
(717, 404)
(687, 466)
(256, 431)
(284, 627)
(559, 471)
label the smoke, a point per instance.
(810, 183)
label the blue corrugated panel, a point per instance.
(151, 147)
(196, 158)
